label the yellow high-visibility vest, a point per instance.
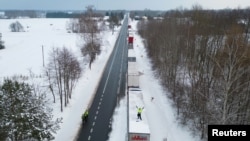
(139, 110)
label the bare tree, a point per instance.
(202, 58)
(51, 83)
(90, 30)
(74, 26)
(232, 65)
(62, 73)
(16, 27)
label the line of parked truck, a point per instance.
(138, 130)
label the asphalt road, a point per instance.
(111, 87)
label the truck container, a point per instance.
(131, 55)
(133, 73)
(133, 81)
(130, 39)
(139, 137)
(138, 130)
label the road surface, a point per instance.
(111, 86)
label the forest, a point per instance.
(202, 58)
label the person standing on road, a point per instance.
(139, 111)
(85, 116)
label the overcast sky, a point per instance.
(120, 4)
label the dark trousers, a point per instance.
(85, 119)
(139, 116)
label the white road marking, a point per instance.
(111, 65)
(118, 90)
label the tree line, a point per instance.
(203, 58)
(21, 13)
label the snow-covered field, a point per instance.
(23, 54)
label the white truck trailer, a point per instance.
(138, 130)
(133, 73)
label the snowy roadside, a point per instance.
(119, 124)
(159, 112)
(84, 91)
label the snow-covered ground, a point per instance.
(24, 52)
(159, 112)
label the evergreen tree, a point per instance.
(24, 115)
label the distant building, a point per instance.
(144, 18)
(158, 18)
(137, 17)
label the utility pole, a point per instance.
(1, 42)
(43, 55)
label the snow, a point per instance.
(160, 114)
(24, 49)
(131, 53)
(23, 52)
(135, 125)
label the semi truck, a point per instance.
(133, 73)
(138, 130)
(130, 39)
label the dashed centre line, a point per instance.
(105, 86)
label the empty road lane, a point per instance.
(111, 84)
